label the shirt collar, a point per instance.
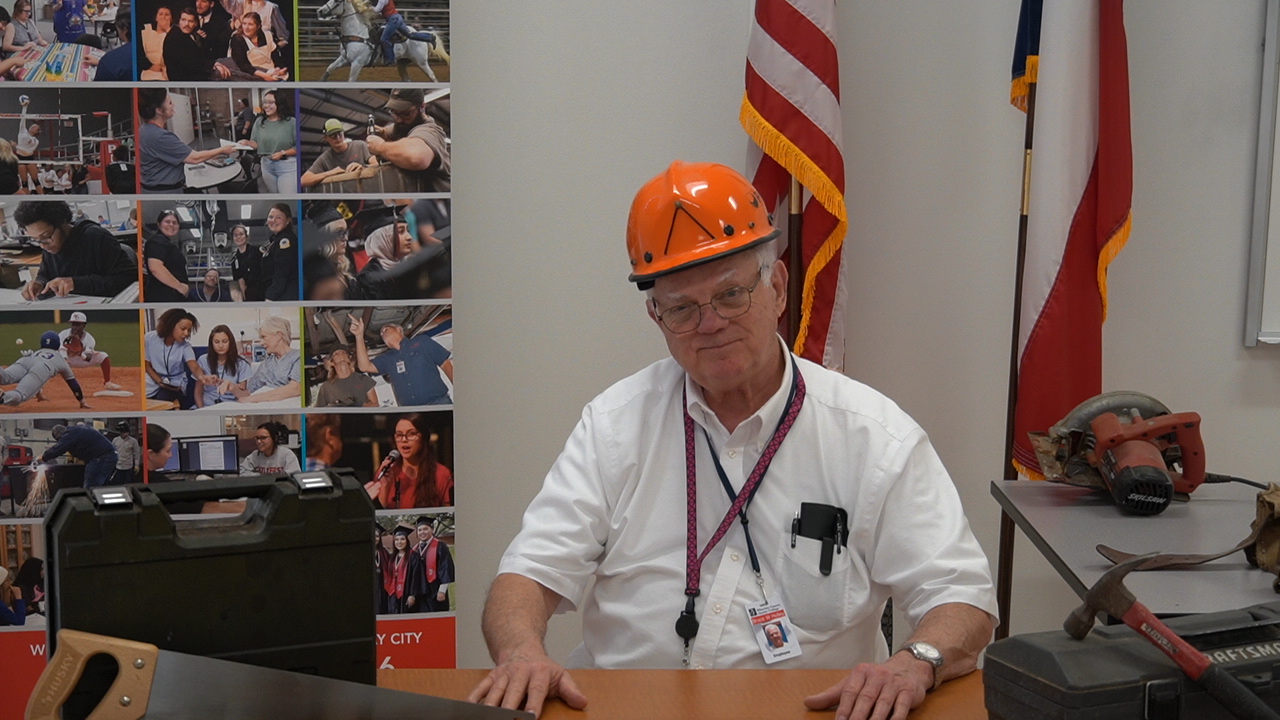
(750, 429)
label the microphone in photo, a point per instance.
(392, 456)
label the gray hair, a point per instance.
(765, 254)
(276, 324)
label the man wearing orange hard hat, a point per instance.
(733, 486)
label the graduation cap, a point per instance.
(425, 520)
(379, 216)
(403, 530)
(322, 214)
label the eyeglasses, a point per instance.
(411, 435)
(401, 114)
(261, 438)
(728, 304)
(45, 238)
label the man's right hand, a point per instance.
(32, 289)
(526, 680)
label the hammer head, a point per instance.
(1108, 595)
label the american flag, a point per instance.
(791, 111)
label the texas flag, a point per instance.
(1078, 212)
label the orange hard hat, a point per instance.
(690, 214)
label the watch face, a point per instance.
(926, 652)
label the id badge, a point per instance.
(774, 633)
(400, 366)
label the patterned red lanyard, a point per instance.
(687, 623)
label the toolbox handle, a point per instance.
(1234, 696)
(127, 697)
(249, 486)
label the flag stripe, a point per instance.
(783, 119)
(1066, 142)
(804, 91)
(795, 34)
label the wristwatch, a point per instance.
(928, 653)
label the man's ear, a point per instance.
(778, 281)
(649, 308)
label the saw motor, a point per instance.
(1128, 444)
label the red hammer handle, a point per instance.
(1192, 661)
(1220, 684)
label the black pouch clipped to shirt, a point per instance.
(827, 523)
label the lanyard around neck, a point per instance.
(687, 624)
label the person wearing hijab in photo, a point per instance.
(387, 242)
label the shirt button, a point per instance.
(733, 453)
(718, 608)
(735, 557)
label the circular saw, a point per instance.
(1129, 445)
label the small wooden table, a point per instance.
(696, 694)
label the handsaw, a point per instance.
(155, 684)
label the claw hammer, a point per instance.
(1109, 595)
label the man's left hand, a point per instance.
(61, 287)
(877, 692)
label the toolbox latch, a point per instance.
(313, 481)
(111, 497)
(1163, 700)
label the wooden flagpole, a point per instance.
(795, 261)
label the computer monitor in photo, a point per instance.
(212, 454)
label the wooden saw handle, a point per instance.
(127, 697)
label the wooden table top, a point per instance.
(700, 694)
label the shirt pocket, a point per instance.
(815, 602)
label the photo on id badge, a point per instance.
(774, 633)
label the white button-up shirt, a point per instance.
(613, 507)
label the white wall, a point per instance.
(564, 108)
